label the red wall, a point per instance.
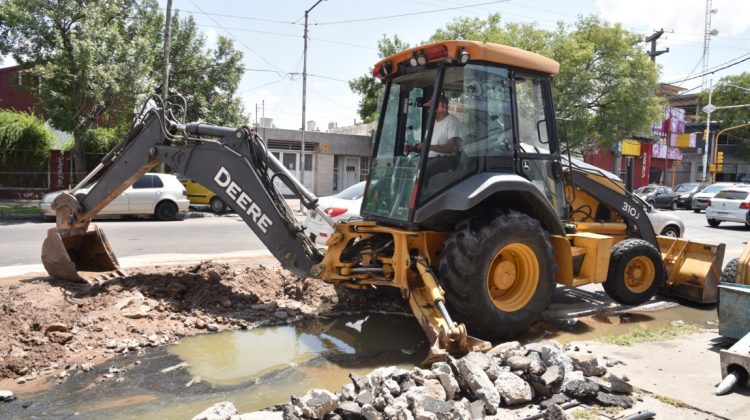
(605, 159)
(11, 96)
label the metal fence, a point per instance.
(22, 172)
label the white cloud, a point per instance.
(210, 36)
(683, 16)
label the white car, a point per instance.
(666, 223)
(700, 200)
(155, 194)
(342, 206)
(730, 205)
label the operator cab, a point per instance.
(506, 123)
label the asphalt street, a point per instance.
(203, 237)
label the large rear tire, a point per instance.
(636, 272)
(498, 275)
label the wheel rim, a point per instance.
(670, 233)
(513, 277)
(167, 212)
(639, 274)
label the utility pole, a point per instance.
(304, 97)
(167, 34)
(707, 34)
(708, 109)
(652, 39)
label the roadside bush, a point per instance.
(102, 140)
(23, 138)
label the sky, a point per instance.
(343, 37)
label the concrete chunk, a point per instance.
(513, 389)
(317, 403)
(444, 374)
(588, 363)
(618, 385)
(220, 411)
(479, 384)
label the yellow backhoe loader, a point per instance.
(470, 209)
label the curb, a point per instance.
(40, 218)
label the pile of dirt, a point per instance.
(53, 326)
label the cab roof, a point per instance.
(478, 51)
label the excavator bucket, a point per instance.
(83, 257)
(693, 269)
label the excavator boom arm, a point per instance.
(233, 163)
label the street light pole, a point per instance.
(167, 35)
(304, 96)
(708, 109)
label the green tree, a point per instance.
(368, 86)
(208, 78)
(730, 90)
(606, 86)
(92, 58)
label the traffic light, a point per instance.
(719, 161)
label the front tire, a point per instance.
(671, 232)
(713, 222)
(166, 210)
(697, 210)
(636, 272)
(674, 205)
(499, 275)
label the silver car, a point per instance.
(161, 195)
(730, 205)
(700, 200)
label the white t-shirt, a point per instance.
(445, 129)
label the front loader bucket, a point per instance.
(693, 269)
(79, 257)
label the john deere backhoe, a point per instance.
(476, 247)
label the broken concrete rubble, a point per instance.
(546, 374)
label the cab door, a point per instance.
(537, 145)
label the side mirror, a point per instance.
(539, 131)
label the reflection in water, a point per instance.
(236, 357)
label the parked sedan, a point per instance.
(685, 193)
(729, 205)
(155, 194)
(658, 196)
(341, 206)
(700, 200)
(666, 223)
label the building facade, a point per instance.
(332, 162)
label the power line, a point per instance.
(410, 14)
(237, 17)
(239, 41)
(291, 36)
(714, 70)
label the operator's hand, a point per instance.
(413, 148)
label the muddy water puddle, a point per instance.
(262, 367)
(253, 369)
